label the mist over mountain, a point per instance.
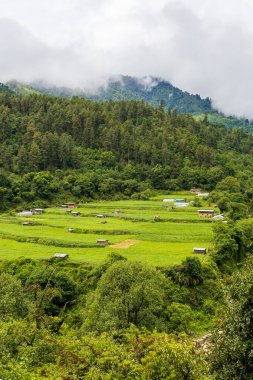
(152, 90)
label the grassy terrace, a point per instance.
(133, 233)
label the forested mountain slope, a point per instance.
(89, 149)
(152, 90)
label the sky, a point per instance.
(200, 46)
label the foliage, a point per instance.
(232, 354)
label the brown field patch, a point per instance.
(125, 244)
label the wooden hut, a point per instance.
(27, 223)
(206, 213)
(37, 211)
(69, 205)
(102, 242)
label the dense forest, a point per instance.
(55, 147)
(123, 319)
(151, 90)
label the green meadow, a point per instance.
(131, 231)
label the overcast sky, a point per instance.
(201, 46)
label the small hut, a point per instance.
(37, 211)
(61, 256)
(25, 213)
(70, 230)
(195, 191)
(102, 242)
(181, 204)
(69, 205)
(206, 213)
(68, 211)
(201, 251)
(203, 194)
(219, 217)
(100, 216)
(75, 213)
(27, 223)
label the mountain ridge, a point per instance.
(152, 90)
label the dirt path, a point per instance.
(125, 244)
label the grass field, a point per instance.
(132, 233)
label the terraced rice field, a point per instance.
(131, 232)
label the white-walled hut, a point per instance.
(61, 256)
(25, 213)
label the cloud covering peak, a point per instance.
(202, 46)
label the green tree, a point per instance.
(233, 341)
(128, 292)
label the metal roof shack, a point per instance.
(102, 242)
(198, 250)
(168, 200)
(100, 216)
(75, 213)
(25, 213)
(181, 204)
(219, 217)
(62, 256)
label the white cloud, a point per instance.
(202, 46)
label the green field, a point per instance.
(133, 233)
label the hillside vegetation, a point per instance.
(55, 147)
(153, 91)
(106, 313)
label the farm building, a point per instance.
(27, 224)
(168, 200)
(69, 205)
(75, 213)
(37, 211)
(70, 230)
(195, 191)
(199, 250)
(68, 211)
(181, 204)
(203, 194)
(62, 256)
(219, 217)
(180, 200)
(102, 242)
(206, 213)
(100, 216)
(25, 213)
